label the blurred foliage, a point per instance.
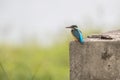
(32, 62)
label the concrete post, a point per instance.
(97, 59)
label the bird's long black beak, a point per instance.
(69, 27)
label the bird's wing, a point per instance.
(76, 33)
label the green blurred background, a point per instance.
(33, 62)
(34, 44)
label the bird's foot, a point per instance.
(76, 40)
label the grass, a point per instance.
(32, 62)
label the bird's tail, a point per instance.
(81, 39)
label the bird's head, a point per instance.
(72, 26)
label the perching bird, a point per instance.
(77, 33)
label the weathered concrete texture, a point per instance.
(111, 35)
(95, 60)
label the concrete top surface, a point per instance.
(107, 36)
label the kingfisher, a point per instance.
(76, 33)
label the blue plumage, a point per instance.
(77, 33)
